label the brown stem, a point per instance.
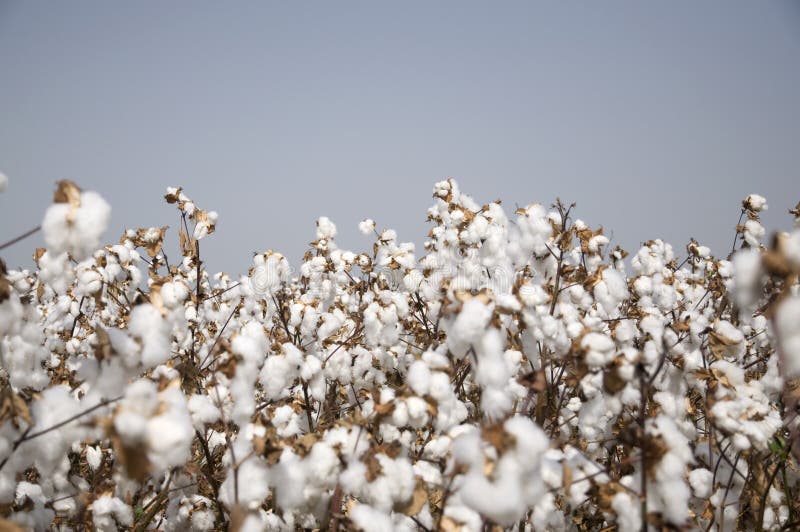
(23, 236)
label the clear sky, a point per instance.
(656, 118)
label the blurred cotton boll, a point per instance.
(3, 182)
(76, 221)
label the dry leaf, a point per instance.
(417, 501)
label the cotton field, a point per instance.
(517, 373)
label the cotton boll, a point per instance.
(756, 203)
(366, 226)
(169, 435)
(174, 293)
(753, 233)
(149, 327)
(252, 482)
(94, 457)
(76, 228)
(109, 511)
(325, 228)
(468, 326)
(3, 182)
(628, 512)
(419, 377)
(369, 519)
(670, 494)
(787, 325)
(701, 482)
(599, 349)
(202, 410)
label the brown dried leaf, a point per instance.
(447, 524)
(612, 382)
(13, 407)
(9, 526)
(102, 349)
(416, 503)
(67, 192)
(498, 437)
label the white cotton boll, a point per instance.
(628, 512)
(107, 511)
(269, 271)
(419, 377)
(435, 360)
(94, 457)
(325, 228)
(130, 426)
(791, 248)
(250, 343)
(611, 290)
(147, 324)
(276, 373)
(500, 500)
(599, 349)
(533, 295)
(204, 520)
(753, 232)
(787, 326)
(89, 282)
(3, 182)
(369, 519)
(756, 203)
(202, 410)
(700, 479)
(670, 494)
(366, 226)
(354, 478)
(417, 409)
(596, 242)
(252, 481)
(76, 230)
(492, 373)
(169, 435)
(141, 399)
(732, 339)
(174, 293)
(469, 326)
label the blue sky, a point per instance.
(657, 119)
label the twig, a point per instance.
(23, 236)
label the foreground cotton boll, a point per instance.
(75, 222)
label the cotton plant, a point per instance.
(516, 372)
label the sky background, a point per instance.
(656, 118)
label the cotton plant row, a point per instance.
(518, 373)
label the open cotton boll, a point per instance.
(701, 481)
(170, 434)
(325, 228)
(108, 512)
(251, 483)
(76, 226)
(756, 203)
(419, 377)
(787, 325)
(270, 269)
(94, 457)
(152, 332)
(668, 489)
(515, 484)
(469, 326)
(366, 226)
(369, 519)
